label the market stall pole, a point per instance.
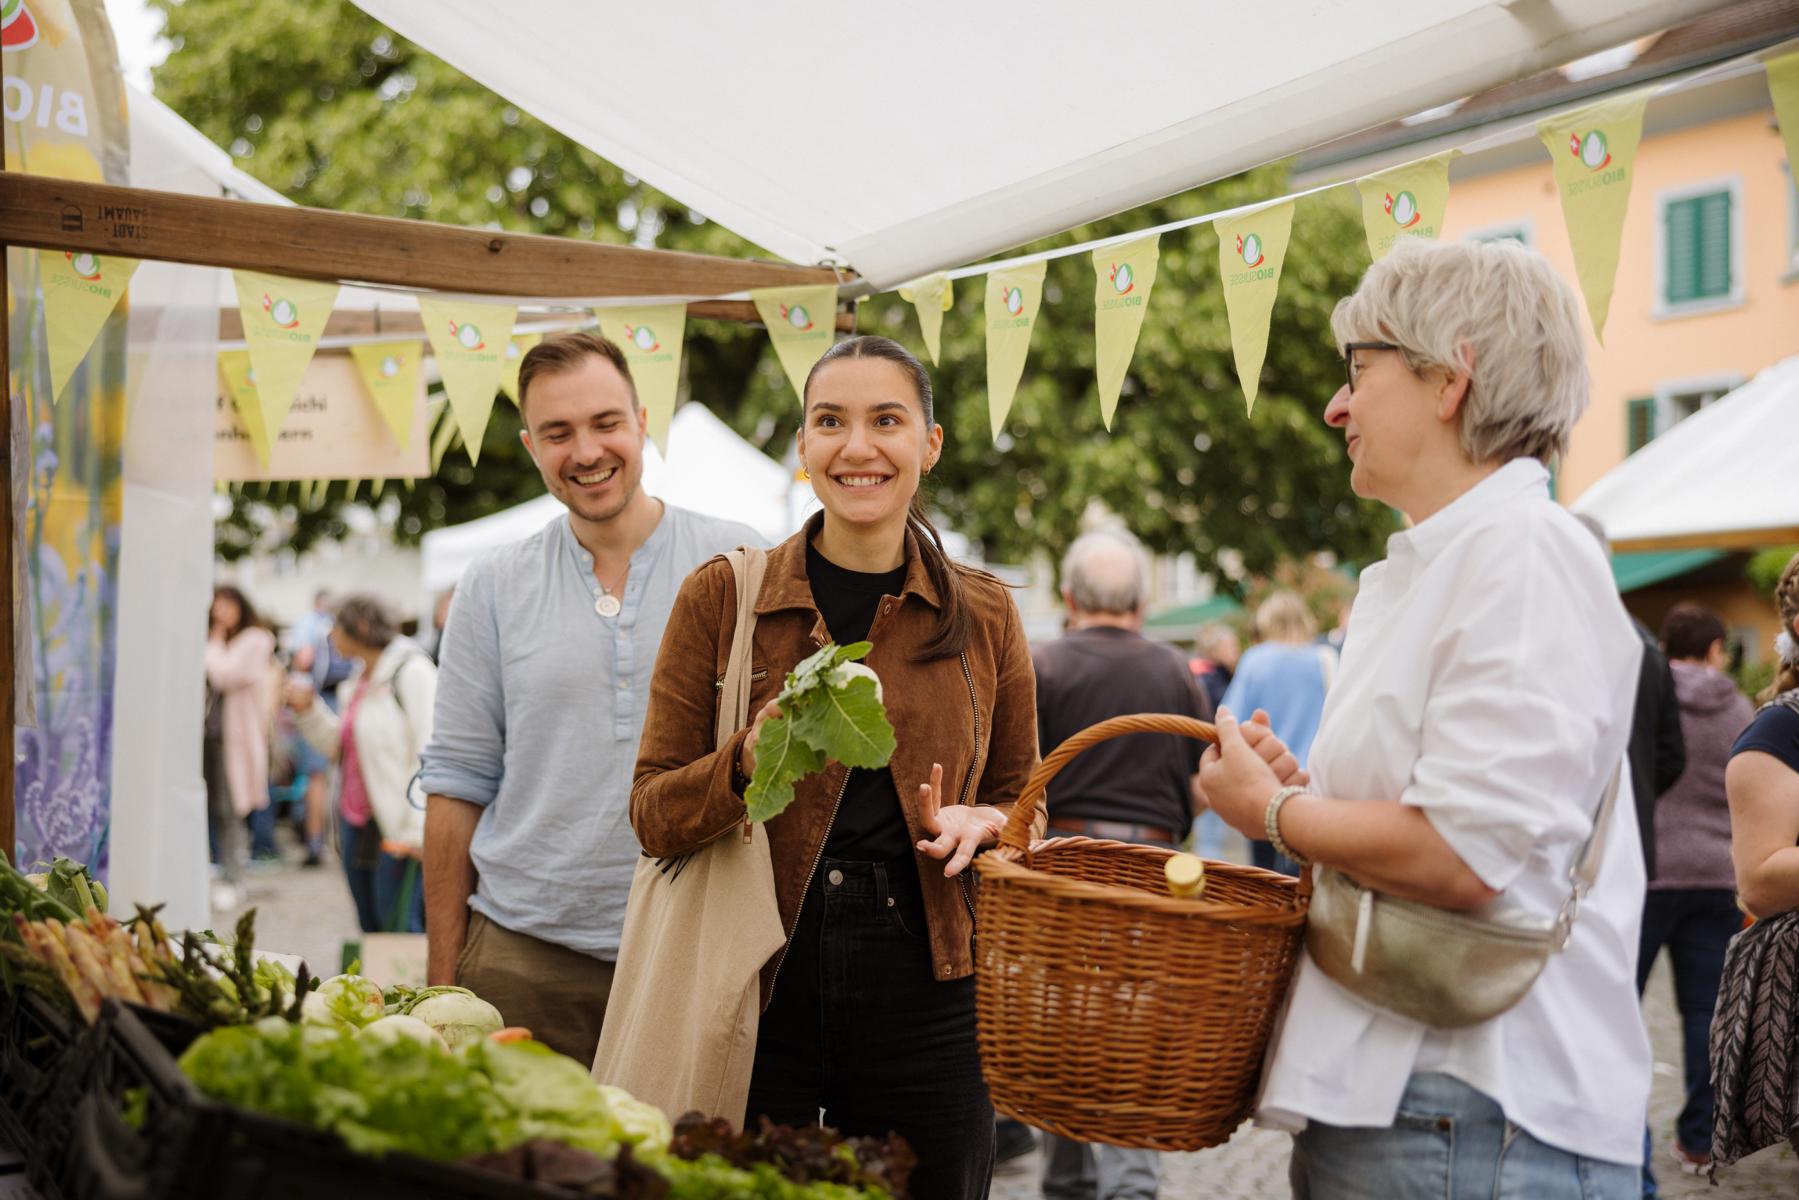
(43, 213)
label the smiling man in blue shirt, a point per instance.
(545, 672)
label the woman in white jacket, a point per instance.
(385, 721)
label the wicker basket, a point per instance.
(1111, 1011)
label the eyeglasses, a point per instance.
(1350, 370)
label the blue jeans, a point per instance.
(1095, 1171)
(1696, 925)
(860, 1026)
(378, 881)
(1447, 1140)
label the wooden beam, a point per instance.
(1736, 539)
(313, 243)
(401, 323)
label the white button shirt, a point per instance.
(1488, 678)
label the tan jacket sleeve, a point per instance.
(681, 797)
(1012, 750)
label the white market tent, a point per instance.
(899, 141)
(1667, 496)
(709, 469)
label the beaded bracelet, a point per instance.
(1271, 823)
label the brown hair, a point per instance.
(367, 620)
(555, 355)
(1786, 599)
(247, 616)
(946, 575)
(1688, 631)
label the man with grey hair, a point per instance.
(1131, 789)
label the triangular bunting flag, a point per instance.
(440, 441)
(390, 371)
(1250, 251)
(80, 292)
(283, 319)
(1408, 201)
(1783, 85)
(651, 337)
(469, 340)
(1124, 276)
(516, 350)
(932, 296)
(1013, 299)
(1594, 151)
(240, 384)
(802, 323)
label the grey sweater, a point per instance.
(1692, 818)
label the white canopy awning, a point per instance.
(899, 140)
(1723, 478)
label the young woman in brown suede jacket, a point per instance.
(869, 1010)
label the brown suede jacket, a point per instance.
(976, 714)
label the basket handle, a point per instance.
(1016, 835)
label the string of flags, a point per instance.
(1592, 151)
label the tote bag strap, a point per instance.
(748, 564)
(1583, 872)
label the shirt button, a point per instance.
(836, 877)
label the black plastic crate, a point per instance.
(37, 1045)
(189, 1147)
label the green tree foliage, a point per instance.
(334, 110)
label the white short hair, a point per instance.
(1117, 583)
(1496, 310)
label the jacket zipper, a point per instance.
(974, 703)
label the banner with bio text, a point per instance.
(651, 338)
(516, 349)
(283, 319)
(390, 371)
(802, 323)
(1250, 251)
(1407, 201)
(469, 341)
(1124, 276)
(1783, 85)
(239, 378)
(1593, 150)
(932, 296)
(80, 292)
(1013, 298)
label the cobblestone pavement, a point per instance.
(308, 912)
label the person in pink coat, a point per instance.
(240, 654)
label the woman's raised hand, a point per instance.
(747, 759)
(958, 831)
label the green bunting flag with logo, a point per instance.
(240, 384)
(1013, 297)
(81, 290)
(390, 371)
(1124, 276)
(1593, 151)
(283, 320)
(802, 323)
(1251, 248)
(932, 296)
(1783, 85)
(1407, 201)
(516, 349)
(651, 337)
(469, 340)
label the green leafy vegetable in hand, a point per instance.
(831, 711)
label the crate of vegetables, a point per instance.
(359, 1100)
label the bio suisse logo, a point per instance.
(17, 28)
(1249, 249)
(85, 265)
(467, 335)
(644, 338)
(1403, 208)
(1123, 279)
(798, 317)
(283, 312)
(1590, 149)
(1014, 298)
(390, 366)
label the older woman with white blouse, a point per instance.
(1482, 705)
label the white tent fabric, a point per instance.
(1727, 469)
(901, 140)
(709, 470)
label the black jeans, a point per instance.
(860, 1027)
(1696, 925)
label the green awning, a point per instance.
(1633, 571)
(1215, 609)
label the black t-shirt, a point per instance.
(870, 826)
(1094, 674)
(1775, 731)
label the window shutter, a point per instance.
(1714, 244)
(1639, 424)
(1681, 251)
